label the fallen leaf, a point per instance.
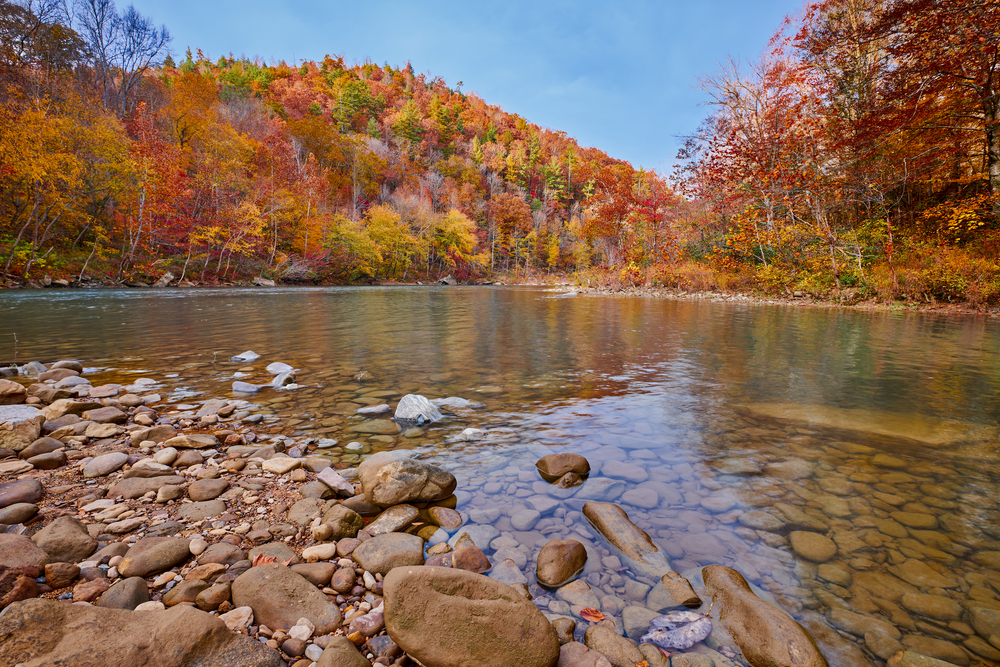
(261, 559)
(592, 615)
(678, 629)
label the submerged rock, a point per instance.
(634, 545)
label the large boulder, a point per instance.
(65, 540)
(633, 544)
(391, 478)
(384, 552)
(20, 425)
(46, 632)
(767, 636)
(442, 616)
(279, 597)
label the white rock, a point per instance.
(354, 446)
(332, 479)
(302, 632)
(369, 580)
(326, 443)
(277, 368)
(166, 456)
(279, 465)
(198, 547)
(313, 652)
(247, 356)
(239, 619)
(374, 409)
(416, 408)
(324, 551)
(152, 605)
(472, 434)
(102, 504)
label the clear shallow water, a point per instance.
(883, 428)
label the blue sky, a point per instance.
(620, 76)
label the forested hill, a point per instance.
(858, 158)
(121, 165)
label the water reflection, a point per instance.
(674, 404)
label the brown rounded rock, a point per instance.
(444, 616)
(343, 522)
(388, 478)
(65, 540)
(279, 597)
(812, 546)
(61, 575)
(553, 466)
(207, 489)
(52, 633)
(560, 561)
(766, 635)
(471, 558)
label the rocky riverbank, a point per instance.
(194, 537)
(850, 298)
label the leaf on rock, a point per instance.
(592, 615)
(261, 559)
(678, 629)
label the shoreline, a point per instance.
(561, 283)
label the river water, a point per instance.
(742, 428)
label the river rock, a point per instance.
(672, 590)
(61, 575)
(20, 425)
(17, 513)
(41, 446)
(559, 561)
(12, 393)
(933, 606)
(199, 511)
(106, 415)
(279, 597)
(416, 408)
(105, 464)
(192, 441)
(553, 466)
(158, 433)
(21, 561)
(65, 540)
(619, 651)
(318, 574)
(20, 491)
(46, 632)
(445, 517)
(221, 553)
(341, 652)
(470, 558)
(767, 636)
(336, 482)
(49, 461)
(389, 479)
(137, 487)
(383, 552)
(207, 489)
(918, 573)
(443, 616)
(125, 594)
(343, 522)
(152, 555)
(633, 544)
(812, 546)
(393, 519)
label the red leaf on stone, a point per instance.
(592, 615)
(261, 559)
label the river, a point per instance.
(740, 426)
